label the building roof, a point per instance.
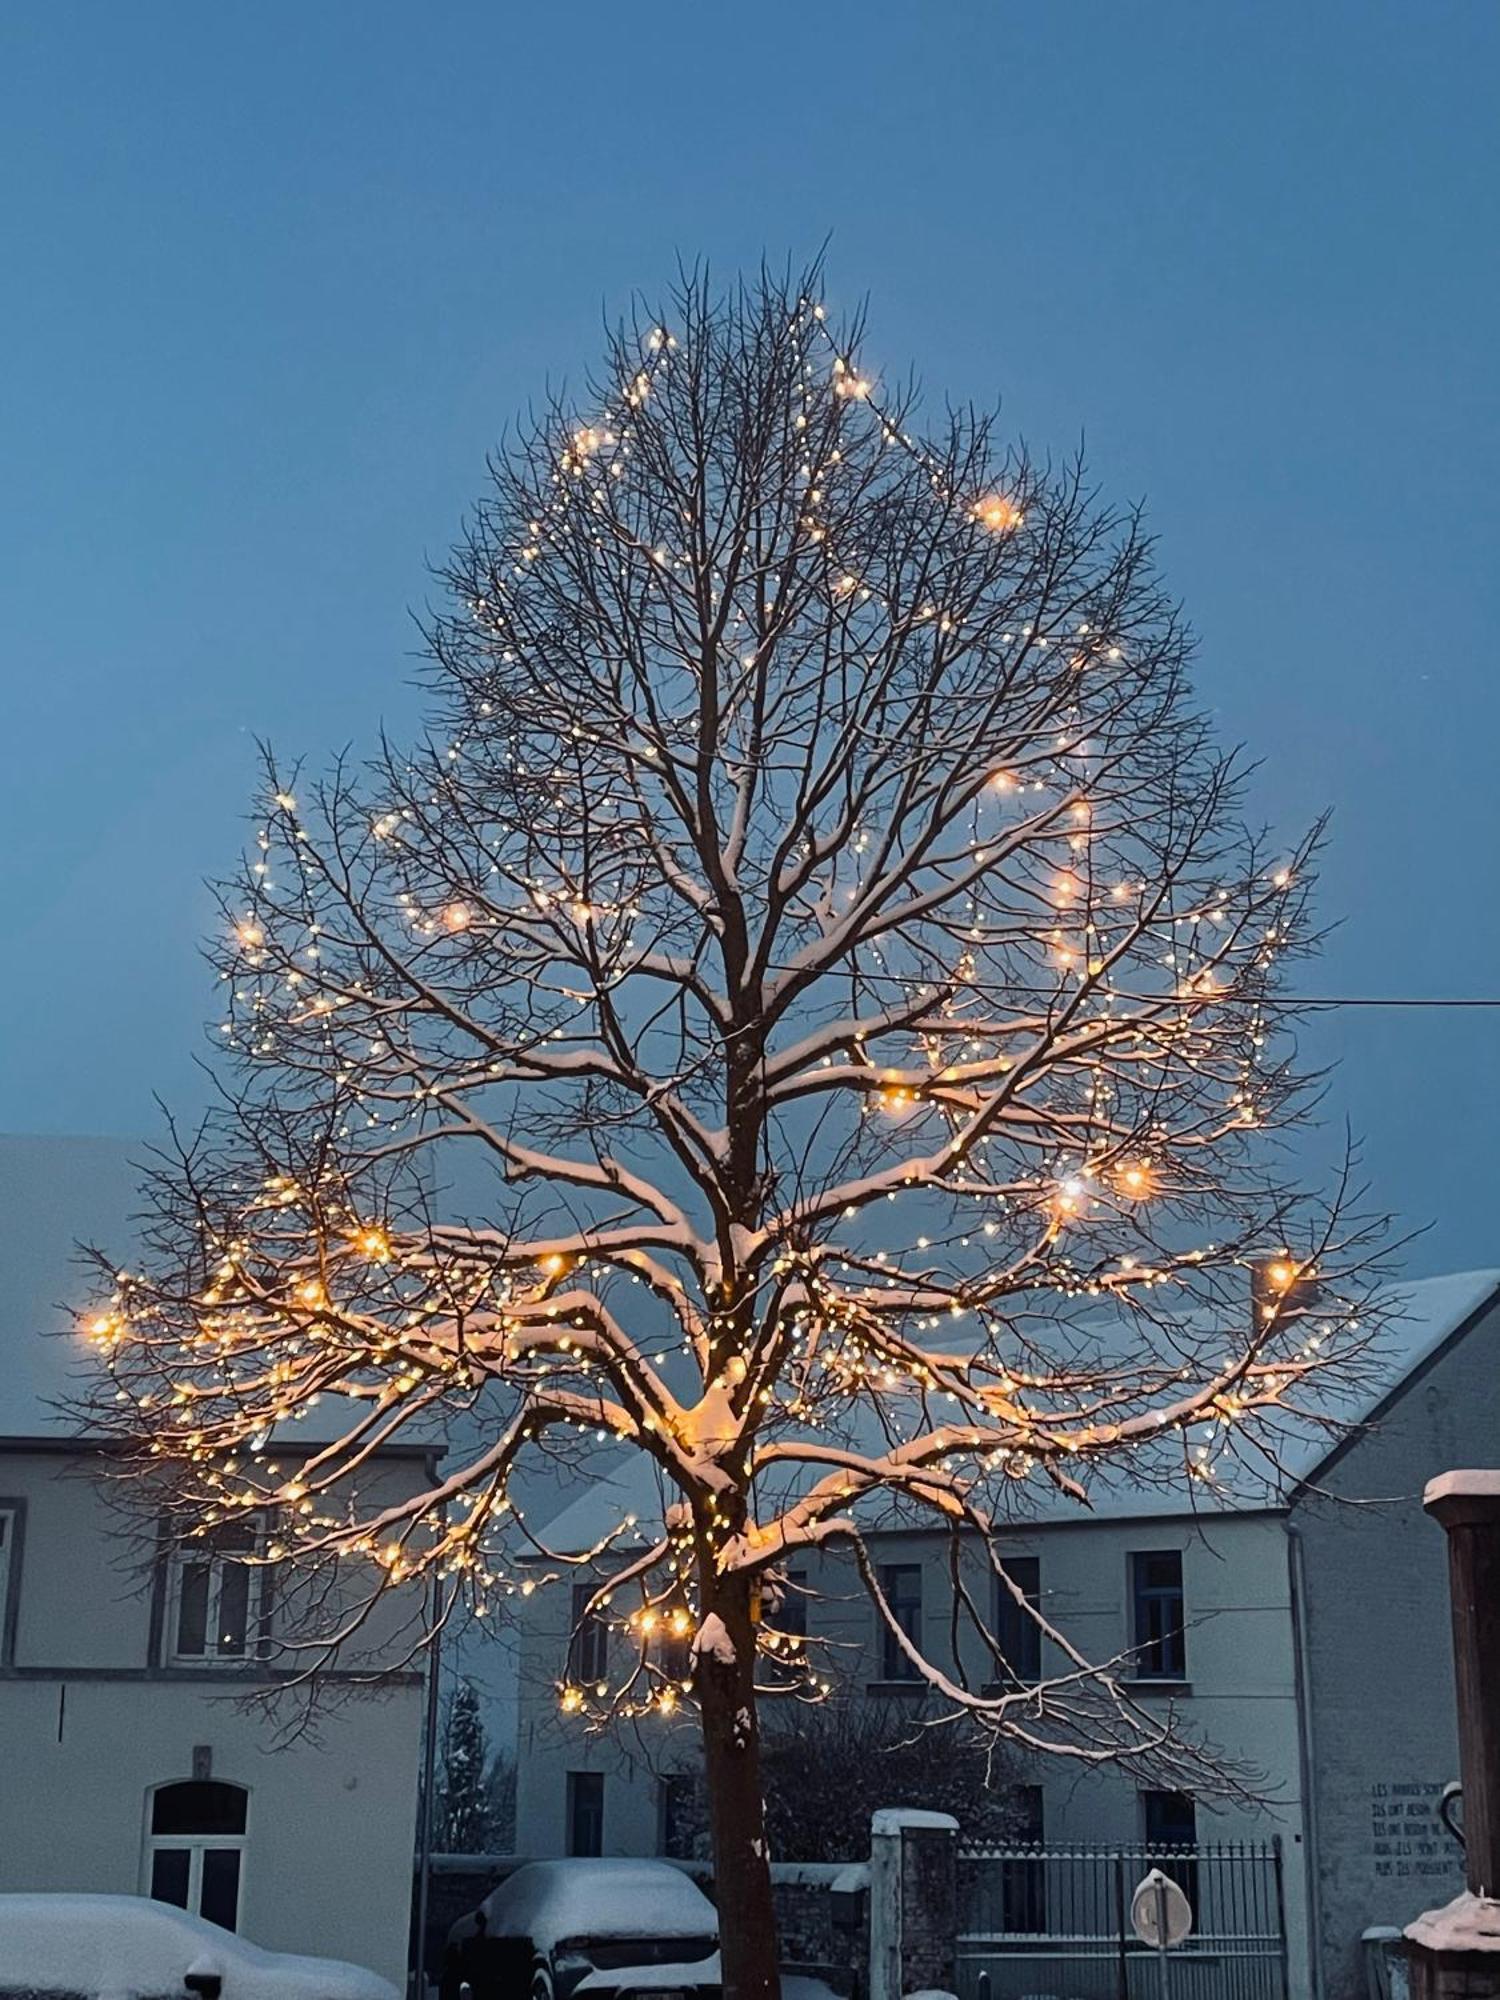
(1418, 1318)
(55, 1195)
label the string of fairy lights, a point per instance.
(311, 1292)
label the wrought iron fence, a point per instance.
(1053, 1923)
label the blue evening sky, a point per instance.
(276, 276)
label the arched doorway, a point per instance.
(195, 1848)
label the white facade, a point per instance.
(1317, 1652)
(1238, 1690)
(118, 1678)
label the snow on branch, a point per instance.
(807, 1014)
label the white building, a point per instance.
(129, 1761)
(1304, 1637)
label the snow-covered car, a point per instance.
(588, 1930)
(129, 1948)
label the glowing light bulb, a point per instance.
(457, 917)
(998, 513)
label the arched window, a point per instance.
(195, 1848)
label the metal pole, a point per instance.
(1163, 1971)
(418, 1976)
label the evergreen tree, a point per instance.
(465, 1821)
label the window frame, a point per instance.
(1025, 1671)
(896, 1669)
(196, 1846)
(12, 1545)
(671, 1786)
(1177, 1858)
(573, 1808)
(589, 1632)
(1164, 1656)
(183, 1555)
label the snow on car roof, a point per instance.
(548, 1901)
(1417, 1318)
(130, 1947)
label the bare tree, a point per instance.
(828, 1767)
(820, 902)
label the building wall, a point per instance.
(330, 1826)
(1241, 1691)
(89, 1724)
(1383, 1731)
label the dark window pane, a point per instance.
(791, 1608)
(233, 1537)
(1017, 1634)
(234, 1610)
(676, 1817)
(901, 1587)
(192, 1610)
(220, 1897)
(1172, 1821)
(1158, 1626)
(169, 1875)
(588, 1654)
(199, 1806)
(675, 1656)
(585, 1813)
(1023, 1880)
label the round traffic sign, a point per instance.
(1160, 1914)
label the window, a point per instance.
(195, 1849)
(1018, 1637)
(677, 1815)
(585, 1813)
(901, 1587)
(588, 1649)
(10, 1532)
(667, 1640)
(1171, 1820)
(1023, 1878)
(1157, 1632)
(215, 1596)
(790, 1615)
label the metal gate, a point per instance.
(1053, 1923)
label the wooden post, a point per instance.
(1454, 1953)
(1467, 1504)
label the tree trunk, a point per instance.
(731, 1757)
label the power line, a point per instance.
(1379, 1000)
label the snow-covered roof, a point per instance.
(55, 1194)
(1418, 1317)
(548, 1901)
